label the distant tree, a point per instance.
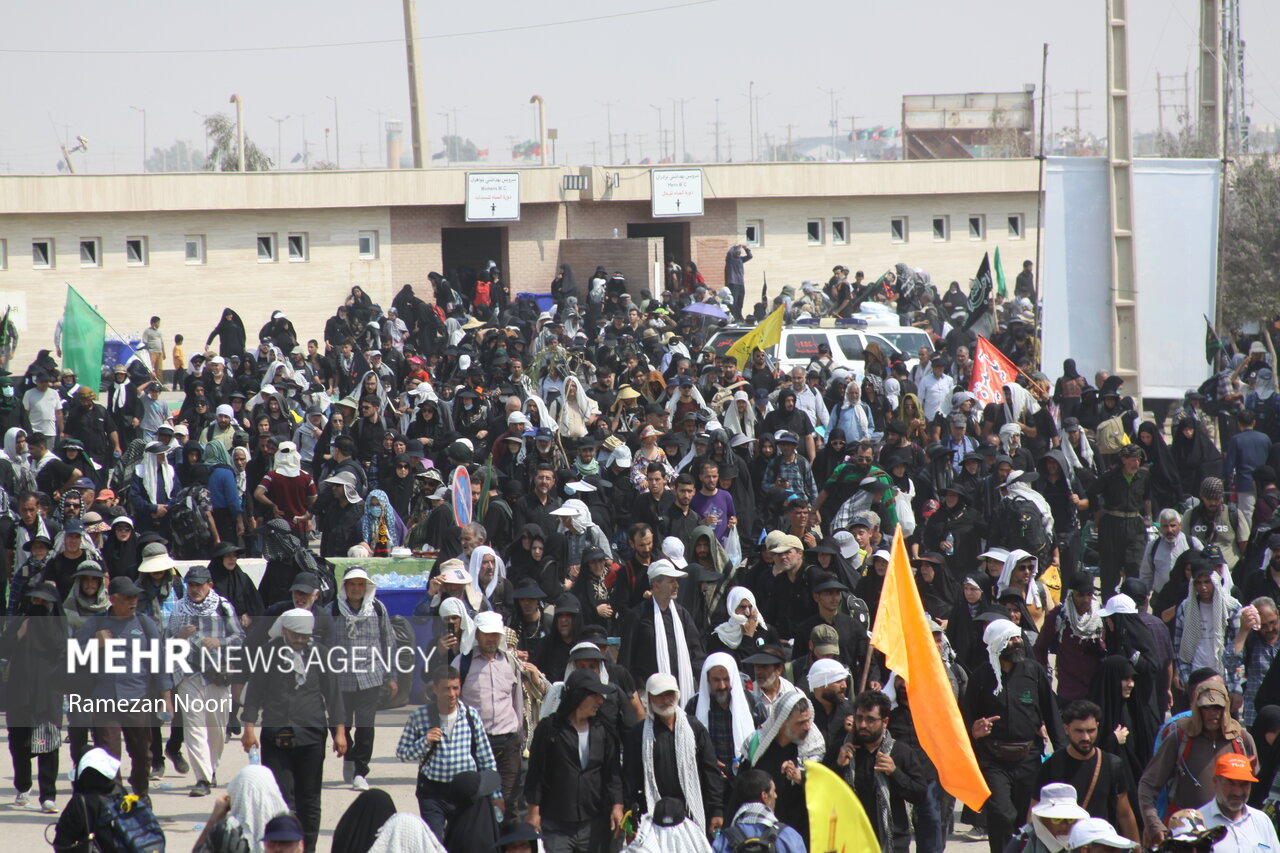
(223, 156)
(460, 150)
(323, 166)
(178, 157)
(1251, 245)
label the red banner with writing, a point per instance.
(992, 370)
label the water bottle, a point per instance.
(255, 754)
(949, 544)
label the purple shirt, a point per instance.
(720, 506)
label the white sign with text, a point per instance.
(493, 196)
(677, 192)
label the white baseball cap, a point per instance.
(660, 683)
(1095, 830)
(1118, 604)
(664, 569)
(673, 550)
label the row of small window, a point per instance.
(899, 229)
(137, 253)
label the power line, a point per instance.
(467, 34)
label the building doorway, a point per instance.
(674, 236)
(466, 252)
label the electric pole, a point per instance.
(279, 147)
(417, 105)
(608, 126)
(717, 130)
(831, 93)
(1079, 136)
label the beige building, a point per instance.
(182, 246)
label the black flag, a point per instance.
(980, 309)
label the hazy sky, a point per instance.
(171, 59)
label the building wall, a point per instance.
(786, 256)
(188, 297)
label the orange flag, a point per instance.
(903, 635)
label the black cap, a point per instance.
(305, 582)
(45, 591)
(89, 569)
(829, 583)
(124, 586)
(198, 574)
(45, 540)
(584, 679)
(283, 827)
(518, 833)
(669, 812)
(769, 654)
(1135, 588)
(222, 549)
(588, 652)
(593, 553)
(528, 588)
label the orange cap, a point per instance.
(1233, 766)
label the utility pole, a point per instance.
(684, 137)
(608, 126)
(831, 93)
(853, 137)
(279, 147)
(626, 149)
(417, 105)
(1159, 112)
(662, 151)
(1079, 140)
(717, 127)
(790, 151)
(593, 152)
(144, 135)
(337, 140)
(448, 133)
(751, 115)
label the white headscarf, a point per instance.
(287, 461)
(544, 416)
(299, 621)
(574, 415)
(499, 570)
(1017, 555)
(149, 471)
(1018, 403)
(686, 749)
(406, 833)
(684, 663)
(551, 702)
(736, 423)
(684, 837)
(255, 799)
(455, 607)
(997, 635)
(739, 708)
(730, 630)
(355, 617)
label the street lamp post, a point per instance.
(144, 135)
(337, 137)
(279, 147)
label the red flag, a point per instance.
(992, 370)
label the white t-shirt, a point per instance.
(447, 722)
(1204, 652)
(584, 747)
(42, 408)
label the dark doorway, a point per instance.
(675, 237)
(465, 252)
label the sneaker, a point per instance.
(359, 783)
(22, 799)
(48, 807)
(975, 833)
(179, 763)
(348, 771)
(199, 789)
(157, 772)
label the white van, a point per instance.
(799, 343)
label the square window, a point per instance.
(266, 248)
(814, 229)
(135, 251)
(755, 232)
(298, 247)
(42, 257)
(941, 228)
(839, 232)
(977, 226)
(1015, 226)
(4, 254)
(898, 231)
(368, 245)
(91, 252)
(194, 251)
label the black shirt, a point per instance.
(307, 709)
(556, 780)
(1023, 706)
(1113, 780)
(664, 762)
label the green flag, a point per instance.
(84, 333)
(1001, 289)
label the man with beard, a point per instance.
(780, 748)
(661, 636)
(670, 754)
(846, 477)
(886, 774)
(1008, 701)
(1101, 780)
(1123, 494)
(829, 687)
(537, 506)
(1073, 632)
(728, 711)
(95, 428)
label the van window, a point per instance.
(907, 341)
(804, 344)
(850, 345)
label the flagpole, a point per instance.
(1039, 332)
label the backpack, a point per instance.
(765, 842)
(484, 298)
(130, 824)
(187, 519)
(224, 838)
(1111, 436)
(405, 644)
(1022, 520)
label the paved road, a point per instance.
(183, 816)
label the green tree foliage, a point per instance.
(1248, 291)
(223, 156)
(178, 157)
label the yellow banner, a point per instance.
(837, 821)
(766, 335)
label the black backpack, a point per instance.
(1022, 520)
(765, 842)
(187, 521)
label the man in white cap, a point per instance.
(1095, 835)
(491, 685)
(223, 428)
(1052, 817)
(340, 523)
(662, 636)
(1008, 701)
(287, 491)
(670, 754)
(580, 533)
(298, 703)
(362, 636)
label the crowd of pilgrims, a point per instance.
(708, 540)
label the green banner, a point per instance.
(84, 333)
